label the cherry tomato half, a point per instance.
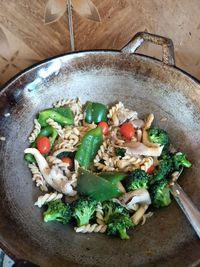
(151, 169)
(127, 130)
(69, 161)
(104, 127)
(43, 144)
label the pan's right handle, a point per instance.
(166, 43)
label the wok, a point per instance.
(140, 82)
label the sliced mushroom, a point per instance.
(126, 114)
(53, 176)
(139, 196)
(138, 215)
(145, 138)
(137, 148)
(137, 123)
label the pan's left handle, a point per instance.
(166, 43)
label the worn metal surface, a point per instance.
(140, 83)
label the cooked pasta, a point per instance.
(90, 228)
(35, 132)
(56, 126)
(104, 165)
(100, 214)
(47, 198)
(38, 178)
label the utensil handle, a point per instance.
(187, 206)
(166, 43)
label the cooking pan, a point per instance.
(140, 82)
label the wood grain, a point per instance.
(23, 23)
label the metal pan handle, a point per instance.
(166, 43)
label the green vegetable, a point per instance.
(137, 179)
(83, 210)
(160, 194)
(118, 224)
(163, 169)
(113, 177)
(159, 136)
(110, 207)
(120, 151)
(89, 146)
(64, 111)
(29, 158)
(66, 154)
(98, 188)
(179, 161)
(95, 112)
(58, 211)
(56, 116)
(49, 132)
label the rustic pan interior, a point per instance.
(140, 83)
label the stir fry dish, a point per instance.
(100, 168)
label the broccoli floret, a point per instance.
(160, 194)
(179, 161)
(110, 207)
(159, 136)
(118, 223)
(83, 210)
(58, 211)
(137, 179)
(163, 169)
(120, 151)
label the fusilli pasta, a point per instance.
(56, 126)
(47, 198)
(35, 132)
(89, 228)
(38, 178)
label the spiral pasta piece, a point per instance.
(37, 177)
(56, 126)
(147, 163)
(35, 132)
(89, 228)
(47, 198)
(100, 214)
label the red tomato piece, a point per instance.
(151, 169)
(104, 127)
(127, 130)
(69, 161)
(43, 144)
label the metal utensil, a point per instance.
(186, 204)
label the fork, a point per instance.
(186, 204)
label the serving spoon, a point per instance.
(185, 203)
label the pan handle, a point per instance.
(166, 43)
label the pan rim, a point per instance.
(101, 51)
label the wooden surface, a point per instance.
(33, 30)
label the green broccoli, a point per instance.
(137, 179)
(179, 161)
(163, 169)
(110, 207)
(160, 194)
(159, 136)
(120, 151)
(118, 223)
(83, 210)
(58, 211)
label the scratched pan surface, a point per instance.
(141, 83)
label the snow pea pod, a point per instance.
(89, 146)
(100, 189)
